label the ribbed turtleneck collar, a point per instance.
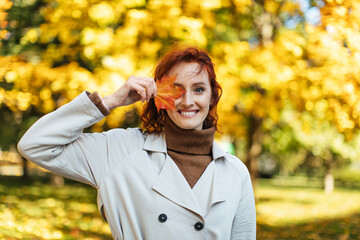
(188, 141)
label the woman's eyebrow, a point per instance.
(200, 83)
(194, 84)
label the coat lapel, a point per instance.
(171, 183)
(217, 193)
(209, 188)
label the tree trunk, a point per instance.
(56, 180)
(329, 178)
(254, 146)
(329, 183)
(25, 175)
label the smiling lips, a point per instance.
(188, 114)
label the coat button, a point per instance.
(198, 226)
(162, 218)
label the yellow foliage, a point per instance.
(112, 40)
(336, 71)
(4, 6)
(102, 13)
(188, 28)
(134, 3)
(30, 36)
(242, 5)
(272, 6)
(211, 4)
(160, 4)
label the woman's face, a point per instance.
(193, 106)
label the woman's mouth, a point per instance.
(188, 114)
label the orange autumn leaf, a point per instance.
(167, 92)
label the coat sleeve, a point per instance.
(57, 143)
(244, 224)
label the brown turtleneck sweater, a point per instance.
(190, 149)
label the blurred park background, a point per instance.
(290, 72)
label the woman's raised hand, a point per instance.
(133, 90)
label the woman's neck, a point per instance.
(188, 141)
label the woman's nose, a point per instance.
(187, 99)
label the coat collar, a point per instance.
(171, 184)
(155, 143)
(217, 151)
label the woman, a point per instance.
(167, 181)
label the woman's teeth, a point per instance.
(188, 114)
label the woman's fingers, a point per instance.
(135, 89)
(145, 87)
(154, 89)
(150, 88)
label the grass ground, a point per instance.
(307, 213)
(37, 210)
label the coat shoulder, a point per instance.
(129, 136)
(237, 164)
(130, 132)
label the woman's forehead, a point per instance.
(189, 72)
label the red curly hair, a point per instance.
(152, 120)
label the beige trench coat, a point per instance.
(141, 191)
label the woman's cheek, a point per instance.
(177, 101)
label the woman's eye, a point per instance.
(199, 90)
